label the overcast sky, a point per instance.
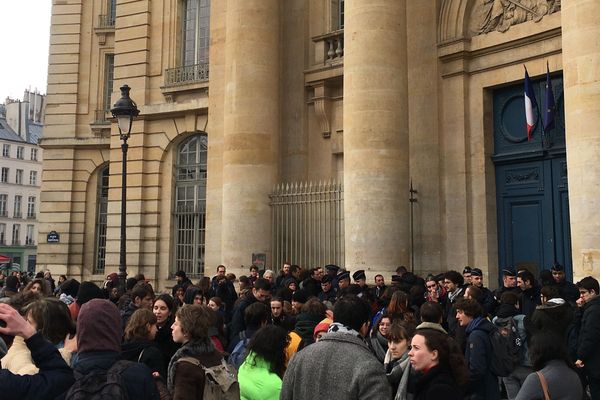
(24, 40)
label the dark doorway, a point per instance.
(531, 183)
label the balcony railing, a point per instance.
(329, 48)
(3, 213)
(17, 214)
(106, 21)
(101, 117)
(31, 215)
(186, 74)
(16, 242)
(29, 241)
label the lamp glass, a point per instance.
(124, 122)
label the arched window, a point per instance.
(189, 208)
(101, 212)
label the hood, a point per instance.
(480, 324)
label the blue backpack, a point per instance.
(238, 355)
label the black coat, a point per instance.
(589, 332)
(146, 352)
(164, 342)
(55, 376)
(436, 384)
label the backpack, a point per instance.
(506, 347)
(101, 385)
(220, 381)
(238, 355)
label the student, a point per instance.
(139, 345)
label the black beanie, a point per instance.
(88, 291)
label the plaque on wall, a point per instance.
(53, 237)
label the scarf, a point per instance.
(337, 327)
(453, 295)
(190, 349)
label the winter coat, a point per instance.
(137, 378)
(436, 384)
(164, 342)
(186, 380)
(302, 333)
(483, 384)
(530, 299)
(587, 343)
(53, 379)
(18, 358)
(256, 380)
(146, 352)
(563, 383)
(378, 345)
(521, 322)
(237, 320)
(329, 369)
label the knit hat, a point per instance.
(88, 291)
(322, 326)
(99, 327)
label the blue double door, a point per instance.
(531, 184)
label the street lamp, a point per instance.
(124, 110)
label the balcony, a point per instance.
(3, 213)
(101, 125)
(106, 21)
(16, 242)
(29, 241)
(328, 62)
(187, 74)
(31, 215)
(18, 214)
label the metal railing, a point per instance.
(31, 215)
(18, 214)
(186, 74)
(106, 21)
(308, 223)
(29, 242)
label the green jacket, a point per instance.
(256, 381)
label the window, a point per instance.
(341, 14)
(20, 152)
(34, 154)
(17, 208)
(189, 210)
(29, 237)
(196, 29)
(16, 234)
(19, 177)
(6, 150)
(3, 200)
(109, 74)
(4, 176)
(31, 207)
(33, 178)
(101, 213)
(2, 234)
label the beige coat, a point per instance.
(18, 358)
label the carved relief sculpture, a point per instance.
(500, 15)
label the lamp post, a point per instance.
(124, 110)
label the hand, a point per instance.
(71, 343)
(579, 364)
(16, 325)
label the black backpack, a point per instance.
(101, 385)
(506, 347)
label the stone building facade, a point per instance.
(240, 97)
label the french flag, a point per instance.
(530, 103)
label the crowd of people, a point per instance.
(319, 333)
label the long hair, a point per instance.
(137, 326)
(399, 308)
(449, 354)
(269, 343)
(547, 346)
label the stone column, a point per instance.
(376, 179)
(581, 57)
(251, 128)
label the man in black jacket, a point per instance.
(588, 353)
(260, 292)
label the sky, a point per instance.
(24, 42)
